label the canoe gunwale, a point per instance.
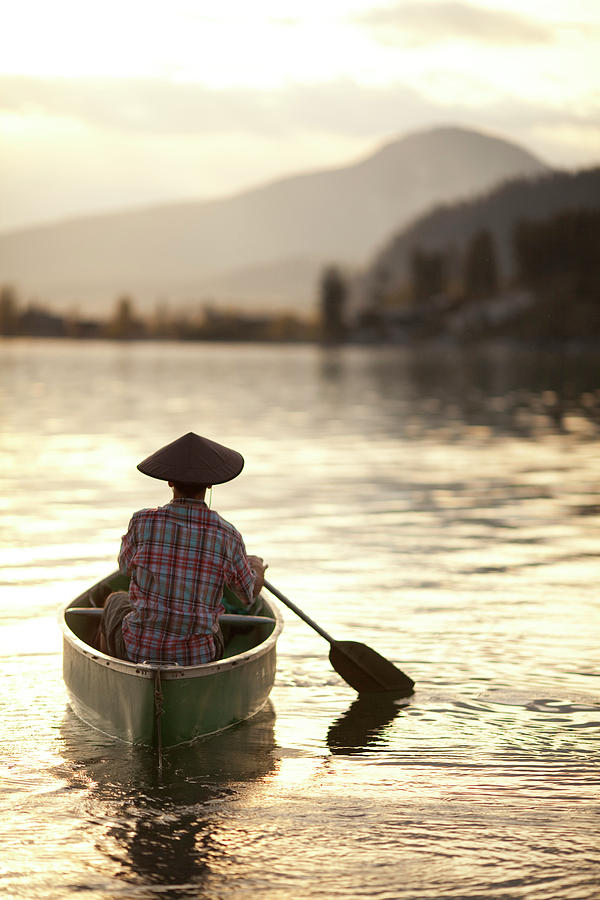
(168, 671)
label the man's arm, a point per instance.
(127, 551)
(258, 566)
(247, 575)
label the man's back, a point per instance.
(180, 557)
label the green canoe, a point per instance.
(162, 705)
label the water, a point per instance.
(443, 508)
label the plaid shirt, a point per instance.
(180, 557)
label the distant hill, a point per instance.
(450, 227)
(263, 247)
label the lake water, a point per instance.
(441, 506)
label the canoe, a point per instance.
(159, 704)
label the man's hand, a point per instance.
(258, 566)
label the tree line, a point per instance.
(553, 292)
(125, 322)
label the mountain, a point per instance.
(450, 227)
(263, 247)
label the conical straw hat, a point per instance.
(193, 460)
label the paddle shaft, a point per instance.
(299, 612)
(360, 666)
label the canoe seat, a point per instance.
(92, 611)
(227, 619)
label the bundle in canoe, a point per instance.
(160, 704)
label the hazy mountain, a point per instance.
(263, 247)
(449, 228)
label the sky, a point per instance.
(125, 103)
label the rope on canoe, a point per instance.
(158, 712)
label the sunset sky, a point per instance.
(132, 102)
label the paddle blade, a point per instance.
(367, 671)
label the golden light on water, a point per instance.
(456, 538)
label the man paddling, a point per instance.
(180, 558)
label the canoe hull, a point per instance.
(164, 706)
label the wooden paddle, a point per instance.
(361, 667)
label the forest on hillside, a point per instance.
(449, 227)
(519, 262)
(551, 293)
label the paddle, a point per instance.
(361, 667)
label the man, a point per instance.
(180, 558)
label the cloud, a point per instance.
(157, 108)
(147, 105)
(419, 23)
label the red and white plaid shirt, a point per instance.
(180, 557)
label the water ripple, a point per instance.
(435, 507)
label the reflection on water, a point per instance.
(363, 726)
(161, 825)
(504, 389)
(442, 507)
